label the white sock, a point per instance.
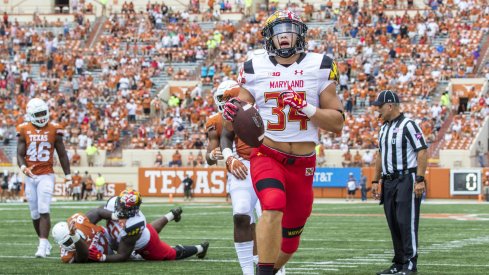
(245, 256)
(43, 242)
(169, 216)
(199, 248)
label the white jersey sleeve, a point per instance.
(328, 73)
(246, 76)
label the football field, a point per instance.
(340, 238)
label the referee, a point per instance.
(400, 168)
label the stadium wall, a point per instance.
(211, 182)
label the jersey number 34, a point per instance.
(292, 115)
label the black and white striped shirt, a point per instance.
(399, 141)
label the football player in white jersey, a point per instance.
(243, 197)
(295, 93)
(37, 140)
(130, 232)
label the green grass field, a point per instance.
(340, 238)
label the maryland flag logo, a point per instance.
(309, 171)
(333, 72)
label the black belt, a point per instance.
(397, 174)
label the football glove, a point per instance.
(96, 255)
(216, 154)
(230, 109)
(294, 100)
(68, 180)
(236, 167)
(27, 171)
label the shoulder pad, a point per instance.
(248, 67)
(135, 229)
(110, 205)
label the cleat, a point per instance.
(202, 254)
(48, 249)
(393, 269)
(281, 271)
(41, 252)
(177, 213)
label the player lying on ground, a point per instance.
(77, 235)
(129, 232)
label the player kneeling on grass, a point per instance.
(130, 232)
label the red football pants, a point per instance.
(156, 249)
(283, 182)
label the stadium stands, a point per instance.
(102, 77)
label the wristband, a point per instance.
(22, 168)
(309, 110)
(419, 179)
(375, 182)
(68, 177)
(226, 153)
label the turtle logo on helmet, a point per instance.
(127, 203)
(284, 22)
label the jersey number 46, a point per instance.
(39, 153)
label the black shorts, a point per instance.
(351, 192)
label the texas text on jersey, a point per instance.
(94, 235)
(308, 76)
(40, 146)
(132, 226)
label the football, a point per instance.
(248, 125)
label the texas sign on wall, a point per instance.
(208, 182)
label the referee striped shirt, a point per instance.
(399, 141)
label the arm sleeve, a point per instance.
(415, 136)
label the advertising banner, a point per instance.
(335, 177)
(208, 182)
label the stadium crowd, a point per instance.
(106, 95)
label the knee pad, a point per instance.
(35, 215)
(291, 238)
(241, 206)
(271, 193)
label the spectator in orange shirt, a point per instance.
(88, 185)
(357, 160)
(347, 159)
(75, 159)
(176, 159)
(77, 186)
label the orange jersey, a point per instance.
(76, 180)
(88, 232)
(40, 146)
(215, 122)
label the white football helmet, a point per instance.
(61, 235)
(219, 93)
(38, 112)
